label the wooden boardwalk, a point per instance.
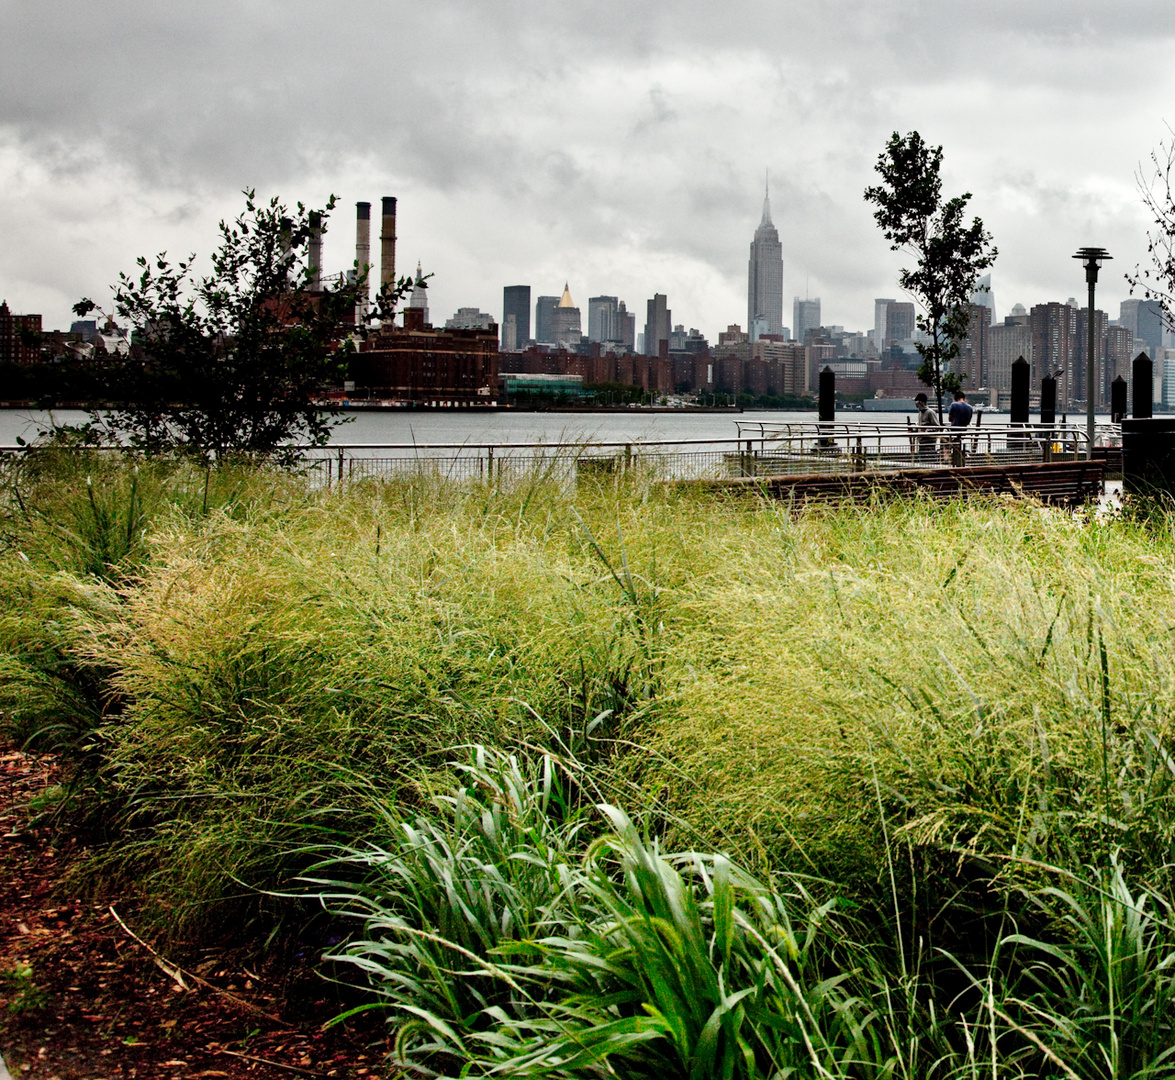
(1059, 483)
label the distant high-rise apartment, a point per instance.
(982, 295)
(626, 328)
(1054, 330)
(765, 276)
(544, 319)
(805, 316)
(565, 322)
(880, 310)
(971, 363)
(1128, 317)
(1006, 343)
(1080, 351)
(657, 324)
(1150, 326)
(899, 322)
(516, 304)
(602, 312)
(1119, 353)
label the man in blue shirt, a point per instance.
(960, 412)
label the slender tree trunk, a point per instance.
(937, 372)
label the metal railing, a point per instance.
(760, 449)
(852, 446)
(678, 459)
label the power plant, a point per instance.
(415, 364)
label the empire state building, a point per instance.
(765, 278)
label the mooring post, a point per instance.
(1118, 400)
(1048, 400)
(1019, 408)
(827, 394)
(1142, 371)
(1020, 373)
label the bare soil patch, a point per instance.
(83, 996)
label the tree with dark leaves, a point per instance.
(236, 362)
(950, 253)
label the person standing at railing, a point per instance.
(960, 411)
(959, 416)
(927, 444)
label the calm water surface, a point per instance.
(472, 427)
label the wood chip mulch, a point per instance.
(85, 996)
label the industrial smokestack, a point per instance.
(387, 244)
(362, 253)
(315, 253)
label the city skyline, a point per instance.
(631, 168)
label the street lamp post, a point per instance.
(1092, 259)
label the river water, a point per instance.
(478, 426)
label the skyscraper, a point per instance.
(765, 276)
(900, 322)
(880, 310)
(805, 316)
(516, 303)
(1150, 326)
(602, 320)
(983, 296)
(544, 319)
(626, 327)
(971, 363)
(1054, 330)
(1128, 317)
(657, 325)
(565, 322)
(1006, 343)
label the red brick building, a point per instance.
(12, 349)
(418, 363)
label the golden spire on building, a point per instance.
(566, 301)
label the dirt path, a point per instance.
(84, 997)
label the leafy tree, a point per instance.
(950, 253)
(237, 361)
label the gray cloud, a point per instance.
(618, 144)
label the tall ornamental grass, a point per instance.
(933, 704)
(256, 669)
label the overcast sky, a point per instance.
(618, 146)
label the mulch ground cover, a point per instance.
(84, 995)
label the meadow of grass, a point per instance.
(887, 788)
